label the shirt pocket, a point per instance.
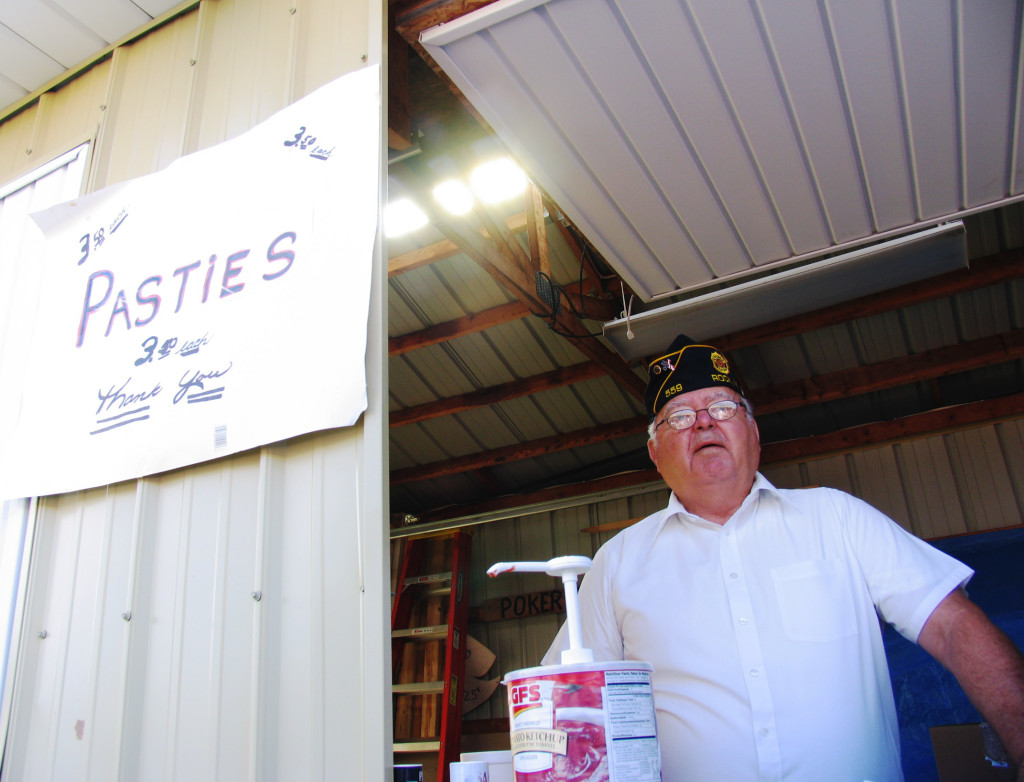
(814, 600)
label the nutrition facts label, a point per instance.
(630, 727)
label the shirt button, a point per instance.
(734, 575)
(743, 620)
(764, 733)
(754, 672)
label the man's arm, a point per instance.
(986, 664)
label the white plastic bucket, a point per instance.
(583, 722)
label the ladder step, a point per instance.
(418, 746)
(422, 633)
(418, 688)
(440, 591)
(431, 578)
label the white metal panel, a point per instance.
(109, 19)
(40, 39)
(23, 64)
(48, 30)
(696, 140)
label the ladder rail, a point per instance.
(429, 621)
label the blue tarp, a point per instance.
(926, 694)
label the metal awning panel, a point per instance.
(700, 140)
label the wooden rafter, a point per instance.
(945, 419)
(468, 324)
(904, 370)
(511, 453)
(438, 251)
(500, 259)
(536, 230)
(563, 376)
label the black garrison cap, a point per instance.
(684, 367)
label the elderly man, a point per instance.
(757, 605)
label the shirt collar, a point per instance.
(675, 507)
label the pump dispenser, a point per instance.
(568, 569)
(580, 721)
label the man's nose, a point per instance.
(705, 421)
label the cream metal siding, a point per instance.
(949, 484)
(226, 621)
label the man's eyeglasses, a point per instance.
(722, 410)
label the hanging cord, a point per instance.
(627, 310)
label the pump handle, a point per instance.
(558, 567)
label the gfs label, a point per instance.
(533, 717)
(525, 696)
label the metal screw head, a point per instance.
(41, 634)
(257, 596)
(127, 616)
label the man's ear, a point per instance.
(652, 451)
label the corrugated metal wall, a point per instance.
(950, 484)
(227, 621)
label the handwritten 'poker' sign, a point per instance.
(213, 307)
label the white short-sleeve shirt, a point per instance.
(763, 633)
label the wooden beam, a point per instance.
(536, 230)
(501, 262)
(611, 526)
(438, 251)
(468, 324)
(552, 494)
(512, 453)
(399, 114)
(903, 370)
(412, 18)
(946, 419)
(562, 376)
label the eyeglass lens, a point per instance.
(720, 411)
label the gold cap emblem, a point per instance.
(720, 363)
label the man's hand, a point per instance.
(988, 666)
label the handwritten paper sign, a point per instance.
(215, 306)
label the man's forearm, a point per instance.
(986, 663)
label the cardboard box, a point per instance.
(961, 755)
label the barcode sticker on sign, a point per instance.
(220, 436)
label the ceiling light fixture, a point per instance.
(493, 182)
(454, 197)
(497, 180)
(402, 217)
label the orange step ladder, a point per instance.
(429, 616)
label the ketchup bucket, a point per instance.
(580, 721)
(583, 722)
